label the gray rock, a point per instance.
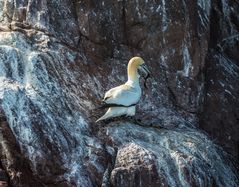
(57, 58)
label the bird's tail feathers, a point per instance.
(105, 116)
(117, 111)
(100, 119)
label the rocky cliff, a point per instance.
(57, 58)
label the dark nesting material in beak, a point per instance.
(145, 80)
(146, 72)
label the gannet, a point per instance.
(122, 99)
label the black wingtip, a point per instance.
(106, 105)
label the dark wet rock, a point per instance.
(161, 157)
(221, 106)
(135, 166)
(4, 179)
(12, 159)
(57, 58)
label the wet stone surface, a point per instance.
(57, 59)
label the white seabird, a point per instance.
(122, 99)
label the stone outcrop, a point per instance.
(57, 58)
(221, 105)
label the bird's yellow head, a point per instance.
(136, 63)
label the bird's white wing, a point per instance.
(122, 95)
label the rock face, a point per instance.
(157, 157)
(221, 104)
(57, 58)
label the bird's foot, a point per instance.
(140, 123)
(133, 120)
(136, 121)
(112, 120)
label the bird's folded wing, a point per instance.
(105, 105)
(122, 95)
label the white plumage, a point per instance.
(126, 94)
(122, 99)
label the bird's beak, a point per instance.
(146, 71)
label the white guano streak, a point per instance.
(187, 61)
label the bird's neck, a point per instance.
(133, 76)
